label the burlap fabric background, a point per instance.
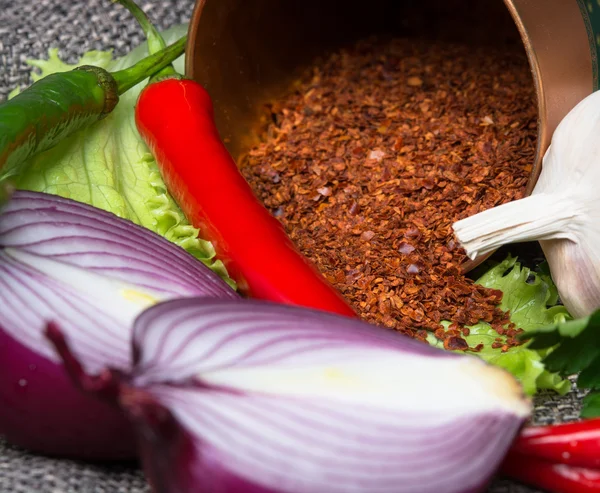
(27, 29)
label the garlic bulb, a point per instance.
(563, 212)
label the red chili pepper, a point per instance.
(554, 478)
(175, 118)
(575, 444)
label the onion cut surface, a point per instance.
(93, 273)
(248, 396)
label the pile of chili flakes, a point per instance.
(373, 155)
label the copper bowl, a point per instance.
(246, 52)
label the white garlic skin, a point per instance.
(576, 279)
(562, 213)
(571, 173)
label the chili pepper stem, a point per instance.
(149, 66)
(156, 42)
(58, 105)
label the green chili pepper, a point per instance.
(60, 104)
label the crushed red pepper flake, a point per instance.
(377, 151)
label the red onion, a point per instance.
(93, 273)
(245, 396)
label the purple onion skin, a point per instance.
(172, 466)
(170, 458)
(70, 425)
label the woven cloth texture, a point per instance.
(27, 29)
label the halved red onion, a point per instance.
(93, 273)
(247, 396)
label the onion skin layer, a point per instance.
(70, 425)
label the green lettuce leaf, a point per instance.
(108, 165)
(532, 300)
(530, 296)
